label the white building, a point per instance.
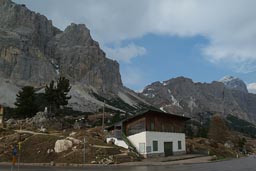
(154, 133)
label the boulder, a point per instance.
(39, 118)
(62, 145)
(74, 140)
(229, 144)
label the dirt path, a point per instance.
(30, 132)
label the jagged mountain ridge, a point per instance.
(34, 52)
(234, 83)
(182, 95)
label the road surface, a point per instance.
(242, 164)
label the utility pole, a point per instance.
(19, 146)
(103, 117)
(84, 150)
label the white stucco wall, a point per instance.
(119, 143)
(138, 138)
(148, 137)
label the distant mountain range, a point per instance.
(182, 95)
(34, 52)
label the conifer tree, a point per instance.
(57, 93)
(25, 102)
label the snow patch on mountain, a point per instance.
(175, 102)
(234, 83)
(162, 109)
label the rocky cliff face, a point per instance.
(76, 55)
(182, 95)
(23, 38)
(34, 52)
(234, 83)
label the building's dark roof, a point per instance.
(144, 113)
(155, 111)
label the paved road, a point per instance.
(243, 164)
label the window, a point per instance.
(179, 145)
(142, 147)
(155, 145)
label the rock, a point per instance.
(74, 140)
(76, 125)
(52, 163)
(11, 122)
(94, 162)
(214, 157)
(229, 144)
(62, 145)
(48, 151)
(39, 119)
(72, 134)
(42, 129)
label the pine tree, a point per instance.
(25, 102)
(57, 94)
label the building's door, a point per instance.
(168, 148)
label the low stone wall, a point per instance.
(155, 155)
(176, 153)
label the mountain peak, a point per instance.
(234, 83)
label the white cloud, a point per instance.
(229, 25)
(252, 88)
(125, 53)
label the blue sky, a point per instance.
(158, 40)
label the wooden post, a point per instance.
(84, 151)
(103, 117)
(1, 116)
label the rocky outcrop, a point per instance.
(34, 52)
(8, 92)
(23, 38)
(77, 56)
(181, 95)
(234, 83)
